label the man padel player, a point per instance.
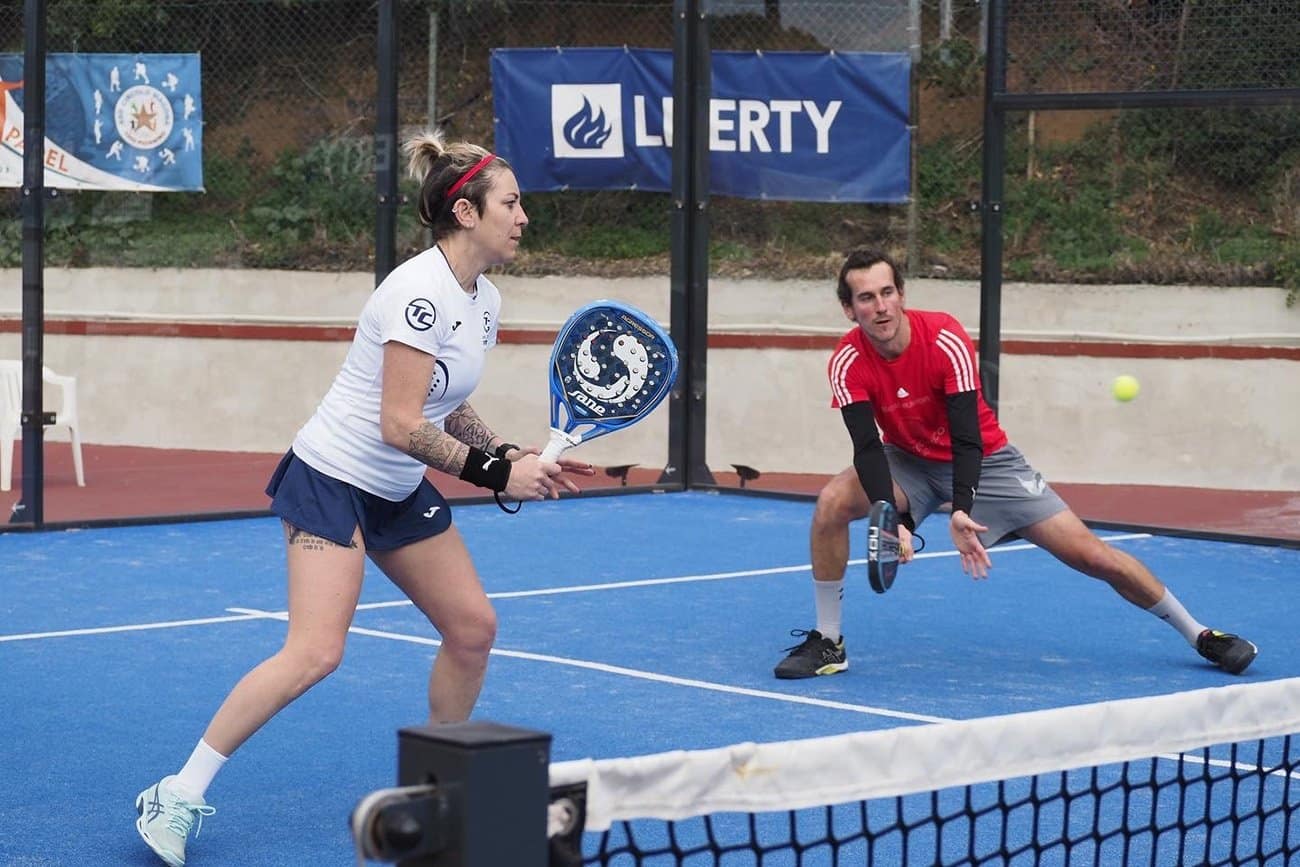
(353, 484)
(913, 373)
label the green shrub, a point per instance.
(1287, 269)
(955, 67)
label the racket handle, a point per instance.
(558, 444)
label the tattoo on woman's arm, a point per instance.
(464, 424)
(438, 449)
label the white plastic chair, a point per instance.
(11, 415)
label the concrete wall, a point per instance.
(1199, 421)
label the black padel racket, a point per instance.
(882, 545)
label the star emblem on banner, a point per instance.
(143, 114)
(144, 118)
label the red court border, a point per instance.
(718, 339)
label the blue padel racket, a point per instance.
(610, 367)
(882, 545)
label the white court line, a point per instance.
(516, 594)
(715, 576)
(1225, 763)
(133, 627)
(628, 672)
(614, 585)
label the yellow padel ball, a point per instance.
(1125, 388)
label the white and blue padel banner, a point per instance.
(825, 127)
(112, 122)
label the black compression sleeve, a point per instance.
(967, 448)
(868, 453)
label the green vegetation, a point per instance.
(1072, 211)
(1288, 271)
(1109, 207)
(1159, 195)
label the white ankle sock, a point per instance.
(827, 596)
(1170, 610)
(196, 776)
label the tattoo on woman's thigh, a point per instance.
(311, 542)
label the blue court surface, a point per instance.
(628, 625)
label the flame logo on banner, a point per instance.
(586, 130)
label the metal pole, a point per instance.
(1236, 97)
(680, 222)
(984, 24)
(689, 269)
(31, 508)
(386, 144)
(913, 131)
(994, 171)
(701, 93)
(435, 9)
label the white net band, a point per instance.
(790, 775)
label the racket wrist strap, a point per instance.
(502, 450)
(485, 470)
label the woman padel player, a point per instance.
(353, 484)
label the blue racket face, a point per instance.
(610, 366)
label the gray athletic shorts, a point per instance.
(1011, 496)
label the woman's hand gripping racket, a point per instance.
(610, 367)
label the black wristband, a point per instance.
(501, 450)
(485, 470)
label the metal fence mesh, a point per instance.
(1152, 45)
(289, 92)
(1202, 195)
(881, 25)
(289, 95)
(1156, 195)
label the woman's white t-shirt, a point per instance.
(421, 305)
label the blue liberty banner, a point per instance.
(112, 122)
(800, 126)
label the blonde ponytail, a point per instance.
(422, 151)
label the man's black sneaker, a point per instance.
(1230, 652)
(816, 655)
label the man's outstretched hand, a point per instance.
(975, 560)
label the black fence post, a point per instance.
(994, 181)
(692, 87)
(31, 508)
(386, 201)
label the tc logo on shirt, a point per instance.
(420, 314)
